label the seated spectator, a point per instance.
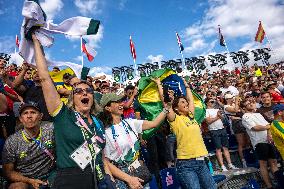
(258, 130)
(218, 134)
(28, 155)
(65, 90)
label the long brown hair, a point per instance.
(175, 103)
(106, 117)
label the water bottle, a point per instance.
(210, 166)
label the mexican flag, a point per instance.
(151, 104)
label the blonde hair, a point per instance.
(95, 108)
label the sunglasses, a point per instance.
(80, 91)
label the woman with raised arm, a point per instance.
(122, 142)
(191, 167)
(74, 125)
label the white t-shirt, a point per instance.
(251, 120)
(216, 125)
(129, 149)
(233, 90)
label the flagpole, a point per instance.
(271, 48)
(82, 57)
(227, 49)
(183, 61)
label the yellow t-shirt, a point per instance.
(64, 99)
(190, 143)
(277, 131)
(258, 73)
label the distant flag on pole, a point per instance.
(260, 33)
(221, 37)
(181, 48)
(17, 41)
(132, 49)
(89, 51)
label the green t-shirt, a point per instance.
(68, 137)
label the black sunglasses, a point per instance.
(81, 91)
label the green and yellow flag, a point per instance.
(150, 101)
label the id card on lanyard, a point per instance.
(88, 151)
(82, 155)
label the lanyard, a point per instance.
(39, 143)
(114, 136)
(85, 129)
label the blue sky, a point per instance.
(152, 25)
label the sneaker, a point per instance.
(223, 167)
(231, 166)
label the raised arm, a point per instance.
(51, 96)
(189, 97)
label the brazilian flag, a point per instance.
(150, 101)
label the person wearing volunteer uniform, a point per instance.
(79, 135)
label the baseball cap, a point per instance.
(109, 97)
(227, 96)
(278, 107)
(29, 105)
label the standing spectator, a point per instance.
(130, 93)
(266, 109)
(55, 69)
(191, 168)
(218, 134)
(277, 128)
(122, 141)
(258, 131)
(275, 93)
(28, 154)
(12, 71)
(65, 90)
(233, 110)
(74, 125)
(105, 87)
(227, 87)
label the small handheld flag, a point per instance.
(181, 48)
(260, 33)
(222, 40)
(132, 49)
(17, 41)
(89, 51)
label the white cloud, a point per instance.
(196, 45)
(86, 7)
(238, 20)
(7, 44)
(78, 59)
(122, 4)
(157, 58)
(92, 40)
(96, 70)
(51, 7)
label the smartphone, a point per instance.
(166, 94)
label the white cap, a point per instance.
(227, 96)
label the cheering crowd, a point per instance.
(88, 134)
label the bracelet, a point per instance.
(166, 111)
